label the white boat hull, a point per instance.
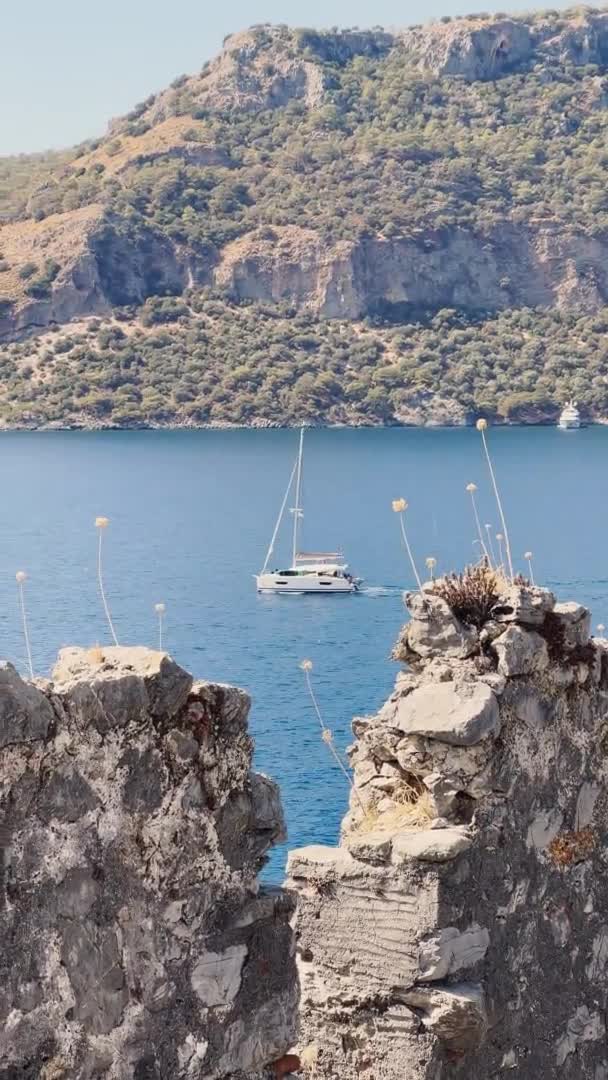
(304, 583)
(569, 425)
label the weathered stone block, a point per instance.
(434, 629)
(527, 605)
(429, 845)
(521, 652)
(450, 950)
(26, 715)
(461, 715)
(575, 620)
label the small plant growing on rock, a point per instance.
(160, 610)
(490, 545)
(399, 507)
(101, 523)
(528, 558)
(472, 595)
(413, 808)
(472, 488)
(21, 578)
(326, 734)
(481, 427)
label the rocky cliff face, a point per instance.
(100, 264)
(400, 278)
(514, 266)
(135, 941)
(460, 928)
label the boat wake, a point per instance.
(377, 591)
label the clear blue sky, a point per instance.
(69, 65)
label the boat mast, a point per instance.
(297, 509)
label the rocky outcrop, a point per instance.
(134, 938)
(256, 69)
(99, 262)
(472, 49)
(477, 49)
(460, 928)
(401, 277)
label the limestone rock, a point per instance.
(526, 605)
(473, 50)
(583, 1026)
(216, 977)
(372, 847)
(127, 685)
(460, 715)
(521, 652)
(443, 791)
(575, 620)
(429, 845)
(456, 1015)
(506, 886)
(435, 630)
(26, 715)
(450, 950)
(131, 831)
(317, 858)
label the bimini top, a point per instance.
(319, 556)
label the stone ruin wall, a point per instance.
(135, 942)
(460, 928)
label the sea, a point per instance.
(191, 515)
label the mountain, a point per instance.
(333, 227)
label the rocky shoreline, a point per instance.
(271, 425)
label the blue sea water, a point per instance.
(191, 515)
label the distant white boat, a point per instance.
(570, 417)
(310, 572)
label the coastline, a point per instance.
(271, 426)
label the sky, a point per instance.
(68, 66)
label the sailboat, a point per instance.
(310, 571)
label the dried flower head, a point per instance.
(471, 487)
(499, 536)
(102, 523)
(306, 665)
(601, 627)
(481, 424)
(527, 554)
(21, 578)
(160, 609)
(399, 505)
(431, 562)
(327, 736)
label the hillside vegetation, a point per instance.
(340, 227)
